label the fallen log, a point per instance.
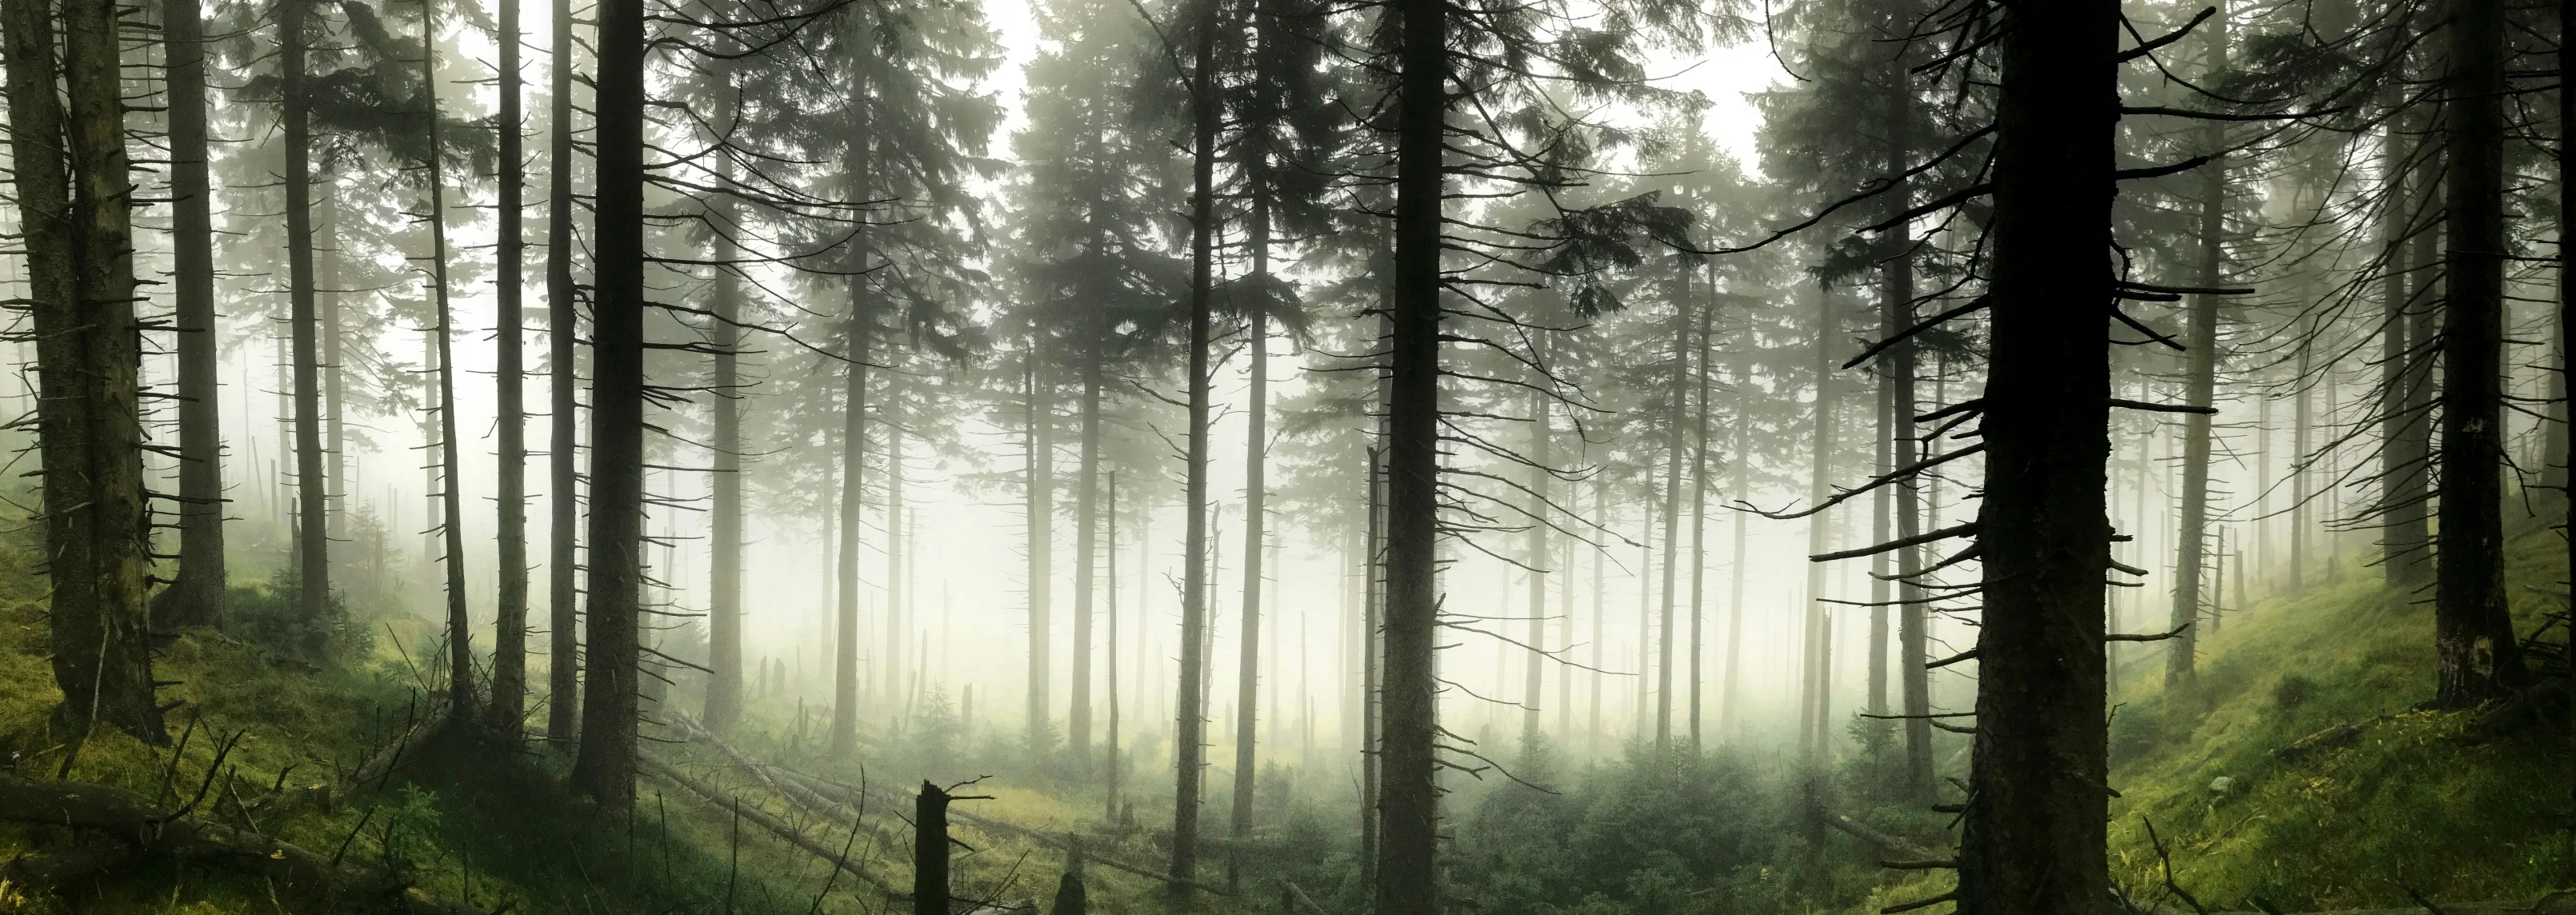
(152, 833)
(1900, 847)
(762, 818)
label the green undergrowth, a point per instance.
(2403, 802)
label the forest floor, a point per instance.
(2300, 772)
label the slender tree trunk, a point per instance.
(2480, 657)
(75, 192)
(1190, 729)
(335, 373)
(1726, 695)
(1679, 395)
(1533, 679)
(1109, 649)
(196, 596)
(2408, 514)
(1699, 498)
(1600, 608)
(1373, 672)
(2300, 421)
(2035, 821)
(1086, 552)
(605, 767)
(510, 617)
(1041, 519)
(1255, 498)
(858, 330)
(313, 549)
(2563, 441)
(1896, 298)
(724, 522)
(897, 547)
(1812, 717)
(2200, 384)
(563, 621)
(460, 642)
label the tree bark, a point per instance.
(1409, 807)
(930, 851)
(1707, 348)
(1679, 412)
(1086, 551)
(1248, 663)
(1533, 679)
(563, 620)
(1896, 296)
(196, 595)
(74, 198)
(313, 548)
(2479, 656)
(605, 766)
(2407, 516)
(858, 329)
(460, 642)
(2034, 825)
(724, 562)
(1190, 730)
(1815, 691)
(510, 612)
(1040, 495)
(2200, 385)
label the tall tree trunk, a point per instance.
(605, 767)
(1373, 673)
(2396, 221)
(2480, 658)
(1896, 298)
(858, 329)
(196, 596)
(1600, 610)
(1533, 679)
(1679, 413)
(335, 373)
(1707, 348)
(1256, 442)
(1040, 493)
(1734, 675)
(897, 548)
(1109, 648)
(1086, 552)
(2563, 441)
(2300, 421)
(2408, 515)
(1813, 714)
(2034, 826)
(563, 621)
(2200, 383)
(313, 547)
(1190, 730)
(74, 196)
(460, 642)
(1409, 802)
(724, 521)
(510, 612)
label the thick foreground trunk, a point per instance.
(605, 767)
(2034, 825)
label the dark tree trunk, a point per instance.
(1676, 415)
(460, 642)
(724, 563)
(1735, 575)
(1247, 687)
(1190, 730)
(1086, 552)
(1409, 808)
(563, 621)
(1705, 335)
(1372, 670)
(1040, 493)
(2395, 222)
(2480, 658)
(930, 851)
(2407, 516)
(2034, 826)
(1896, 296)
(605, 767)
(313, 547)
(1533, 678)
(1814, 686)
(2563, 441)
(2200, 387)
(859, 328)
(196, 596)
(510, 614)
(74, 196)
